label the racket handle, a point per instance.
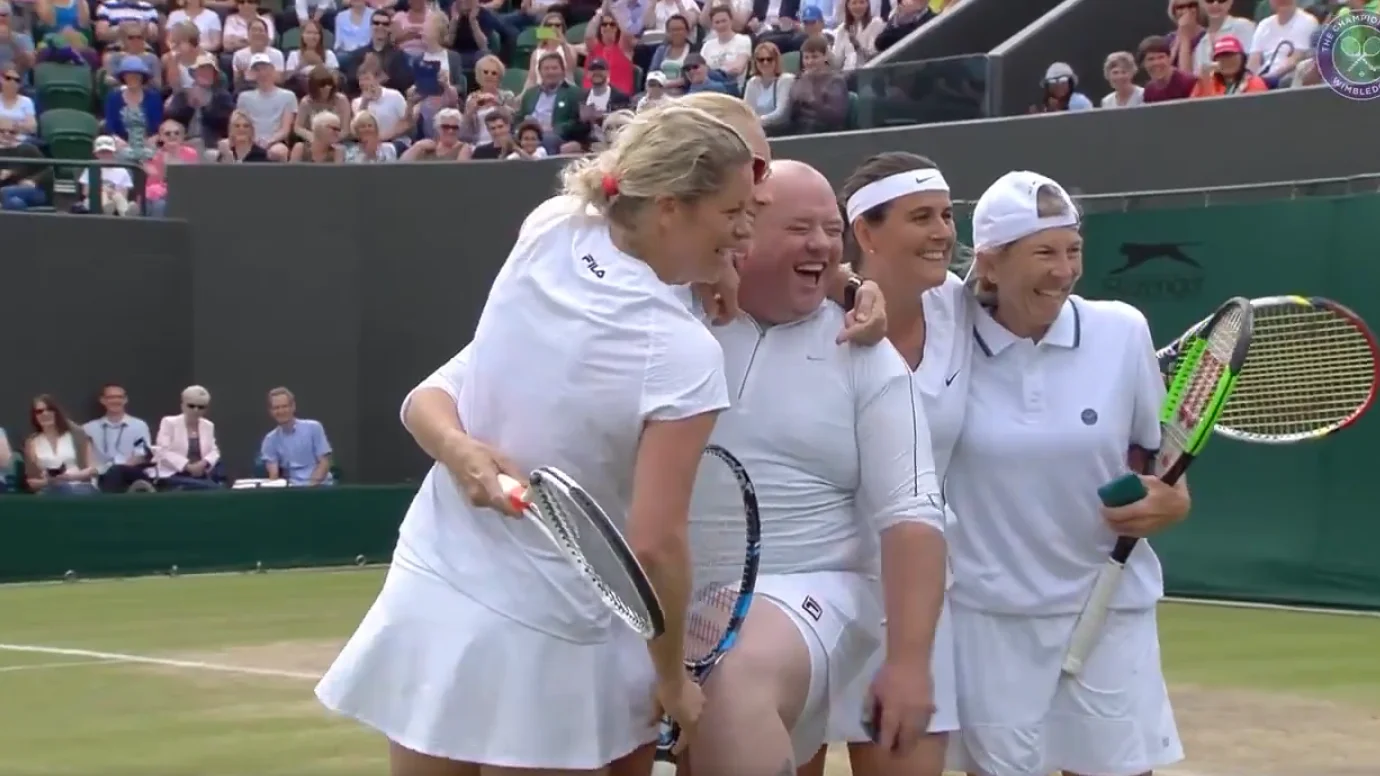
(1126, 489)
(1094, 616)
(517, 495)
(664, 768)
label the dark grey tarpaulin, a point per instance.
(350, 284)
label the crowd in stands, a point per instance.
(117, 453)
(369, 81)
(1208, 52)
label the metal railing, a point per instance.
(64, 167)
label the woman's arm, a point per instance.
(28, 122)
(211, 455)
(780, 115)
(33, 475)
(46, 14)
(301, 127)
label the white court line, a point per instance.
(119, 657)
(1272, 607)
(64, 664)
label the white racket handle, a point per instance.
(663, 768)
(1094, 616)
(517, 495)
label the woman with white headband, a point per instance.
(1063, 395)
(901, 235)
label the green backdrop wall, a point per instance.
(1288, 524)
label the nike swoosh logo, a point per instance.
(952, 377)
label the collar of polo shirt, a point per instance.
(993, 338)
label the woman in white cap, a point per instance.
(484, 653)
(901, 235)
(1064, 394)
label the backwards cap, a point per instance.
(1007, 211)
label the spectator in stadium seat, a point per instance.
(656, 91)
(121, 444)
(907, 17)
(22, 186)
(6, 462)
(113, 16)
(311, 55)
(203, 108)
(769, 89)
(597, 103)
(171, 149)
(698, 77)
(387, 107)
(235, 34)
(57, 455)
(447, 72)
(530, 13)
(1229, 74)
(786, 33)
(1220, 22)
(1120, 72)
(323, 12)
(1190, 27)
(16, 47)
(1281, 41)
(408, 23)
(530, 143)
(552, 102)
(184, 48)
(133, 111)
(630, 15)
(727, 53)
(352, 27)
(470, 26)
(296, 449)
(488, 96)
(132, 43)
(445, 144)
(669, 57)
(324, 146)
(609, 43)
(15, 106)
(322, 97)
(1060, 91)
(499, 126)
(557, 45)
(239, 145)
(69, 46)
(657, 14)
(861, 28)
(260, 48)
(819, 96)
(841, 53)
(369, 147)
(207, 22)
(117, 185)
(1166, 82)
(383, 55)
(59, 15)
(186, 454)
(272, 108)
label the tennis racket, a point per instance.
(1203, 381)
(725, 546)
(585, 535)
(1312, 371)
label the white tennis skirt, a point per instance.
(845, 718)
(440, 674)
(1020, 715)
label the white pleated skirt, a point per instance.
(439, 673)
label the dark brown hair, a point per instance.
(320, 37)
(815, 44)
(873, 169)
(528, 125)
(318, 78)
(1155, 44)
(59, 417)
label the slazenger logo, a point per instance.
(1162, 270)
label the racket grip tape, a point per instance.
(665, 763)
(1094, 616)
(1126, 489)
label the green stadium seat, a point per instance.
(639, 79)
(291, 40)
(514, 79)
(576, 34)
(526, 44)
(852, 111)
(69, 134)
(790, 62)
(1263, 10)
(63, 86)
(579, 75)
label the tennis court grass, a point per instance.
(1257, 691)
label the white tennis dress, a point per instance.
(1047, 424)
(941, 381)
(836, 442)
(484, 645)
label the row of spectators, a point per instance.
(116, 453)
(1209, 53)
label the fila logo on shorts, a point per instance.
(812, 608)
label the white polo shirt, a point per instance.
(1046, 425)
(834, 437)
(577, 347)
(945, 370)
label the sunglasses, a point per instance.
(765, 60)
(610, 25)
(381, 22)
(554, 25)
(1185, 7)
(488, 72)
(172, 135)
(12, 78)
(195, 406)
(450, 127)
(42, 410)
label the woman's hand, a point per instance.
(475, 467)
(720, 299)
(1163, 506)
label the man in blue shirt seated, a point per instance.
(297, 450)
(121, 444)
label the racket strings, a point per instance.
(1309, 370)
(718, 533)
(580, 539)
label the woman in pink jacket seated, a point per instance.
(186, 454)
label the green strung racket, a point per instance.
(1211, 360)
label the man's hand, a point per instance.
(475, 467)
(1163, 506)
(865, 324)
(902, 698)
(196, 468)
(720, 299)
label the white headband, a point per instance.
(893, 187)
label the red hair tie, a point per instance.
(610, 184)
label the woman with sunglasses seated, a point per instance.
(57, 455)
(186, 453)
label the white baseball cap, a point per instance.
(260, 59)
(104, 143)
(1007, 212)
